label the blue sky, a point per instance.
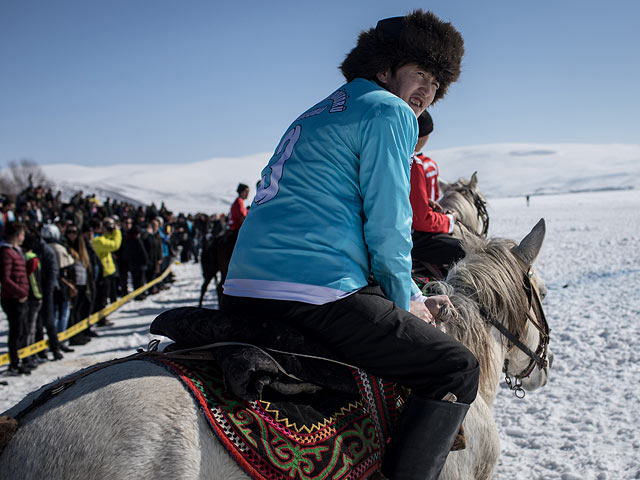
(129, 81)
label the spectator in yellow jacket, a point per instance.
(107, 239)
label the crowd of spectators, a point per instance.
(61, 261)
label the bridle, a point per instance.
(537, 358)
(481, 207)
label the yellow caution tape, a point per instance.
(86, 322)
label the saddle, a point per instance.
(281, 403)
(254, 354)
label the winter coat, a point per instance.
(50, 267)
(104, 245)
(13, 272)
(425, 219)
(34, 272)
(333, 205)
(238, 214)
(135, 252)
(153, 245)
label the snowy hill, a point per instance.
(509, 169)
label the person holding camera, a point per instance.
(107, 239)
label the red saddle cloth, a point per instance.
(324, 435)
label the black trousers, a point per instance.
(17, 317)
(33, 310)
(80, 305)
(104, 289)
(436, 248)
(138, 276)
(368, 331)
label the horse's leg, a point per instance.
(219, 290)
(209, 261)
(224, 257)
(203, 289)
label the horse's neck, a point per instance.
(465, 210)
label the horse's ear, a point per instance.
(530, 245)
(443, 186)
(473, 183)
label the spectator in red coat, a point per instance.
(238, 209)
(432, 240)
(15, 291)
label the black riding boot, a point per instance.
(422, 439)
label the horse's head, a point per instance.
(529, 366)
(495, 286)
(464, 198)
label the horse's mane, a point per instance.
(487, 281)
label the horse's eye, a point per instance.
(542, 290)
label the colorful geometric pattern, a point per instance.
(283, 437)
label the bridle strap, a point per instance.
(536, 303)
(516, 341)
(539, 357)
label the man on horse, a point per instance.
(238, 210)
(432, 227)
(333, 208)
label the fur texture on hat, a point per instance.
(420, 38)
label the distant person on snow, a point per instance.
(432, 240)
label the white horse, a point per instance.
(134, 420)
(464, 198)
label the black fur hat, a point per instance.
(420, 38)
(425, 124)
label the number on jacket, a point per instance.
(270, 182)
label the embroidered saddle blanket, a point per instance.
(325, 435)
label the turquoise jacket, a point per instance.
(333, 204)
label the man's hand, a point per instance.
(436, 303)
(22, 300)
(420, 310)
(453, 214)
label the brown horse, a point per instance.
(215, 259)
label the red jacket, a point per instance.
(238, 214)
(425, 219)
(13, 273)
(431, 172)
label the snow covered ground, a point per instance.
(585, 423)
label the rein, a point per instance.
(537, 358)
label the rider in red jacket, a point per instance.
(432, 240)
(238, 209)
